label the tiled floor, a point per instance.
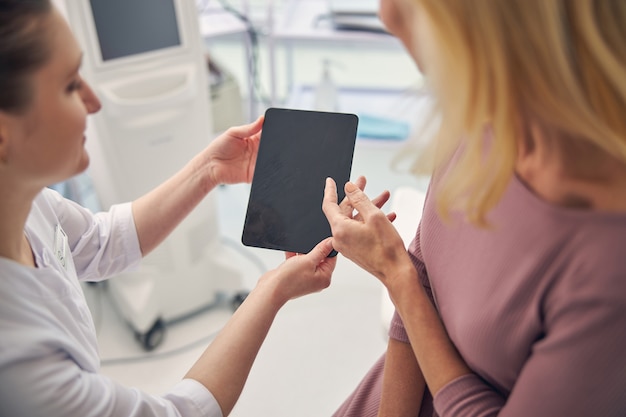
(319, 346)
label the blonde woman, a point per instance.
(511, 300)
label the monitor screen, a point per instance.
(130, 27)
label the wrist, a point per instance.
(204, 172)
(270, 291)
(402, 281)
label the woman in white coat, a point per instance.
(49, 363)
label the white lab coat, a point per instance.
(49, 363)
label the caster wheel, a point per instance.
(238, 300)
(153, 337)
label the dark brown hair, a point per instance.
(22, 50)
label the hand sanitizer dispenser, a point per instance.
(326, 91)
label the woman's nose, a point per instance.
(92, 102)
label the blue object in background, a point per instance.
(81, 190)
(374, 127)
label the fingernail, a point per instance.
(350, 187)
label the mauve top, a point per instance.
(536, 306)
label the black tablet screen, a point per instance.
(298, 151)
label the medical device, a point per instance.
(146, 61)
(355, 15)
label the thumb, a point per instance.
(321, 251)
(249, 129)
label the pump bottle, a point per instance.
(326, 91)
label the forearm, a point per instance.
(159, 211)
(438, 359)
(403, 382)
(224, 366)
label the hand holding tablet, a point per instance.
(298, 150)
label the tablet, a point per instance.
(299, 149)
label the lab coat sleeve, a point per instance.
(102, 244)
(53, 385)
(192, 398)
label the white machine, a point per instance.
(355, 15)
(146, 62)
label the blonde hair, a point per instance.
(558, 64)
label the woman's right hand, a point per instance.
(302, 274)
(367, 238)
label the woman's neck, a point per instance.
(14, 211)
(544, 172)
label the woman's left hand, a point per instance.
(232, 155)
(303, 274)
(368, 238)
